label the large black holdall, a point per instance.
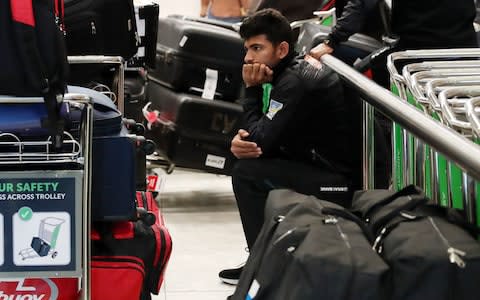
(100, 27)
(198, 58)
(194, 132)
(432, 254)
(310, 249)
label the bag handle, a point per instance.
(415, 201)
(351, 217)
(408, 190)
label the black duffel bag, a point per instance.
(430, 253)
(310, 249)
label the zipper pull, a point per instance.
(455, 256)
(379, 238)
(284, 236)
(330, 220)
(94, 29)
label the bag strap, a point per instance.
(27, 45)
(401, 217)
(408, 190)
(415, 201)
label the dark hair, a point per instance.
(269, 22)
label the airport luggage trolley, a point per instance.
(439, 178)
(45, 194)
(404, 152)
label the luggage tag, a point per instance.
(154, 183)
(210, 86)
(252, 292)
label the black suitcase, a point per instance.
(196, 133)
(432, 254)
(146, 14)
(100, 27)
(135, 85)
(357, 46)
(311, 249)
(198, 58)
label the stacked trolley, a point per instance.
(442, 84)
(45, 207)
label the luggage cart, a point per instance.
(473, 109)
(403, 166)
(44, 244)
(435, 176)
(33, 159)
(455, 110)
(441, 88)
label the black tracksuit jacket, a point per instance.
(313, 116)
(420, 24)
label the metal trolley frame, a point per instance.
(37, 152)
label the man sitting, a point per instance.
(296, 132)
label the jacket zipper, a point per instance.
(454, 255)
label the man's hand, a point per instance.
(256, 74)
(320, 50)
(244, 149)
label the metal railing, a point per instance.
(455, 147)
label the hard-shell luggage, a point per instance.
(198, 58)
(129, 258)
(432, 254)
(310, 249)
(113, 177)
(195, 132)
(25, 119)
(146, 15)
(107, 118)
(100, 27)
(357, 46)
(135, 95)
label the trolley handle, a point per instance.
(473, 108)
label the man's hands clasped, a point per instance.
(256, 74)
(244, 149)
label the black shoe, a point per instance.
(230, 276)
(230, 297)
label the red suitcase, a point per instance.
(129, 258)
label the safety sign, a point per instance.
(1, 239)
(45, 241)
(39, 223)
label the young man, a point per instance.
(296, 132)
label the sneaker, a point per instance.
(230, 276)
